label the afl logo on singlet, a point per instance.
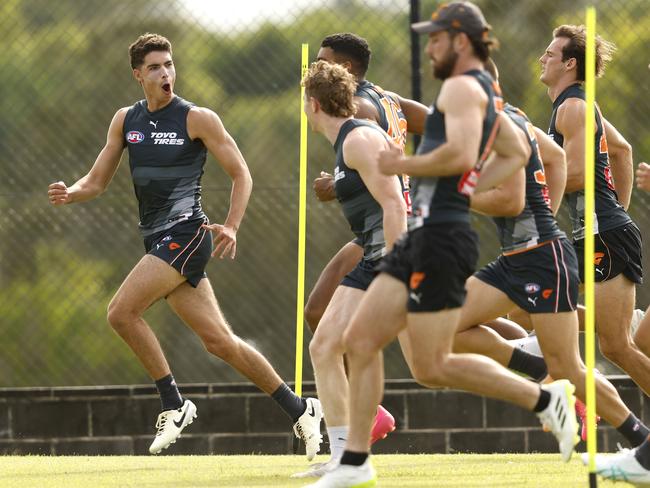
(134, 137)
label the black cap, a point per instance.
(461, 16)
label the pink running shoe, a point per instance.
(581, 410)
(384, 424)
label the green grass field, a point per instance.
(459, 470)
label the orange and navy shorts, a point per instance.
(543, 279)
(434, 262)
(616, 251)
(187, 247)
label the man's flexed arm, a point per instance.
(621, 163)
(463, 103)
(204, 124)
(360, 151)
(100, 175)
(511, 153)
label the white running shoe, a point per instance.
(346, 476)
(170, 424)
(317, 470)
(621, 466)
(637, 317)
(560, 417)
(307, 427)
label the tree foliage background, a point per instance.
(64, 74)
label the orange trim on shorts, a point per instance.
(519, 251)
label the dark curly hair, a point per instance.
(350, 47)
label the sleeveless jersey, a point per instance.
(391, 117)
(166, 165)
(362, 211)
(610, 214)
(536, 223)
(446, 199)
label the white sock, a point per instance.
(337, 437)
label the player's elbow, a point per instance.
(460, 156)
(574, 182)
(622, 150)
(515, 206)
(508, 206)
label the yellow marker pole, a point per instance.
(302, 225)
(590, 349)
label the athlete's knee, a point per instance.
(322, 347)
(642, 341)
(616, 349)
(120, 316)
(224, 346)
(564, 366)
(431, 372)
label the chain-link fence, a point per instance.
(64, 74)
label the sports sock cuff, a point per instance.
(527, 363)
(170, 397)
(633, 430)
(292, 404)
(543, 401)
(354, 458)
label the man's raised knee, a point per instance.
(118, 317)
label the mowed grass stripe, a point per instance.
(400, 471)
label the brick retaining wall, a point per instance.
(238, 419)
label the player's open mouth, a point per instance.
(167, 88)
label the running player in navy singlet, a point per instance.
(168, 138)
(393, 114)
(537, 272)
(421, 282)
(375, 208)
(617, 240)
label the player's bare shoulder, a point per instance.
(463, 89)
(202, 121)
(120, 115)
(570, 114)
(363, 136)
(362, 145)
(365, 110)
(116, 128)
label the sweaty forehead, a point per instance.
(328, 54)
(157, 57)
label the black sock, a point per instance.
(170, 398)
(527, 363)
(633, 430)
(543, 401)
(354, 458)
(642, 454)
(291, 403)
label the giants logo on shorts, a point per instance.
(134, 137)
(532, 288)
